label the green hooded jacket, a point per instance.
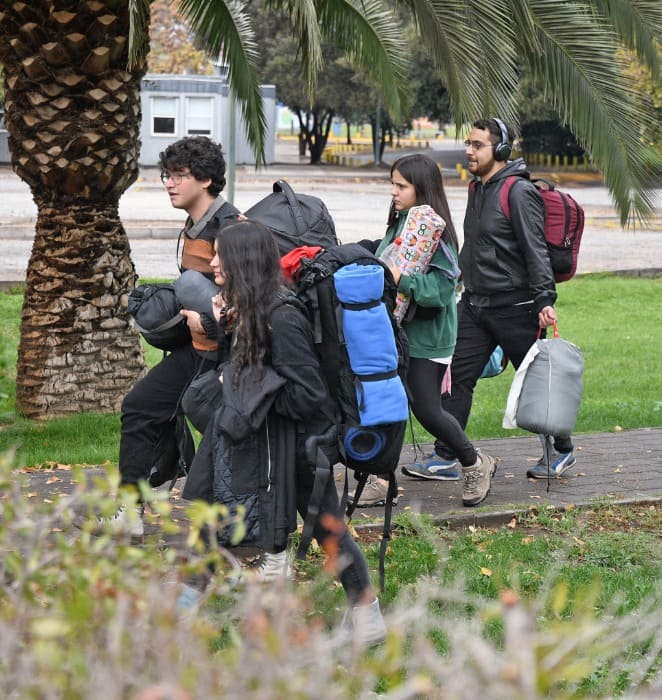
(433, 336)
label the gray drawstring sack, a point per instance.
(547, 389)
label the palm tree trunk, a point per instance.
(73, 117)
(77, 352)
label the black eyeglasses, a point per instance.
(475, 145)
(175, 177)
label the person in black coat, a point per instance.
(509, 284)
(265, 335)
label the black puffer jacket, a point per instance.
(253, 448)
(505, 261)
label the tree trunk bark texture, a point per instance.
(73, 117)
(77, 351)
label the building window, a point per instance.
(199, 116)
(164, 116)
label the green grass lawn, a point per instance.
(615, 320)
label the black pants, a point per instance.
(354, 575)
(424, 380)
(149, 409)
(480, 330)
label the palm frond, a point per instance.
(138, 26)
(370, 35)
(223, 30)
(583, 77)
(473, 45)
(306, 25)
(638, 24)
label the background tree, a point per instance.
(429, 95)
(540, 126)
(339, 90)
(172, 48)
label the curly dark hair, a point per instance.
(202, 156)
(424, 174)
(251, 265)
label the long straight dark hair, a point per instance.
(424, 174)
(251, 265)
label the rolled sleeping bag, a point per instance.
(370, 343)
(368, 331)
(363, 444)
(194, 291)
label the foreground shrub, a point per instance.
(91, 617)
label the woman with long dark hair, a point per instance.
(432, 330)
(266, 332)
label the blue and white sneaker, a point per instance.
(561, 462)
(436, 468)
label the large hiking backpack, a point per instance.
(349, 294)
(294, 219)
(564, 225)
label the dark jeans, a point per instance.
(480, 330)
(353, 574)
(148, 410)
(424, 380)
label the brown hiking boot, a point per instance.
(477, 479)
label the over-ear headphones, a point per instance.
(502, 150)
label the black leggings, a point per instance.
(424, 379)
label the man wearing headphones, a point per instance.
(509, 286)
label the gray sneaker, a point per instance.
(477, 480)
(272, 567)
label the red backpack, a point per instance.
(564, 225)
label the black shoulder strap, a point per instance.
(361, 479)
(323, 473)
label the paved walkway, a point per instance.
(623, 467)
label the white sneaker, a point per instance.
(272, 567)
(365, 624)
(125, 521)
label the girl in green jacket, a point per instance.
(431, 330)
